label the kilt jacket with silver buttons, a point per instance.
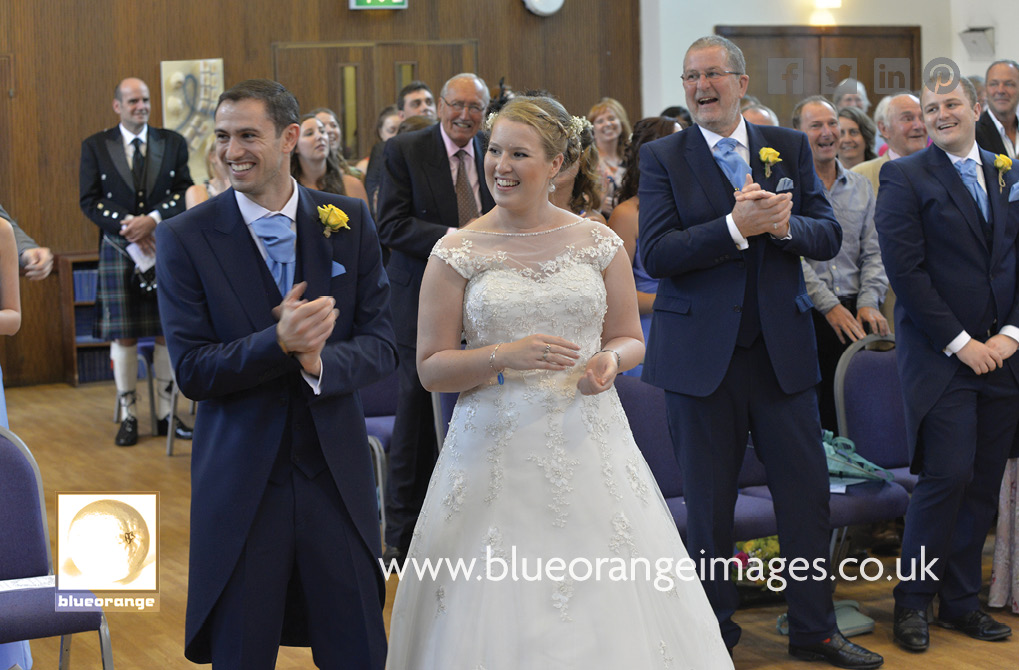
(107, 192)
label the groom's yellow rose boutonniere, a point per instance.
(769, 157)
(333, 218)
(1003, 163)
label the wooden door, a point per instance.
(363, 78)
(789, 63)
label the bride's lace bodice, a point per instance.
(519, 284)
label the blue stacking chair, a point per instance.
(443, 405)
(29, 613)
(869, 406)
(645, 410)
(379, 404)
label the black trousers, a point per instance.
(965, 441)
(829, 350)
(304, 571)
(412, 453)
(710, 437)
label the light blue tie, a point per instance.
(968, 171)
(732, 164)
(275, 233)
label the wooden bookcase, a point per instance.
(85, 358)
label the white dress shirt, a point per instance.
(963, 338)
(251, 211)
(128, 137)
(743, 149)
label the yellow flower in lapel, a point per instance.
(1004, 164)
(769, 157)
(333, 218)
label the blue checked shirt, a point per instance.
(857, 270)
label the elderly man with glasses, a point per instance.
(434, 183)
(727, 208)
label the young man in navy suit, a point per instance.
(948, 219)
(276, 311)
(727, 209)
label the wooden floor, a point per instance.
(71, 434)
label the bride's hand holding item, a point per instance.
(600, 373)
(537, 352)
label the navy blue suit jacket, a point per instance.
(944, 275)
(987, 134)
(222, 340)
(684, 240)
(417, 206)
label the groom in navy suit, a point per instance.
(948, 230)
(732, 339)
(275, 308)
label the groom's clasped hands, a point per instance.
(759, 212)
(304, 326)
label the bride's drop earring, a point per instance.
(551, 188)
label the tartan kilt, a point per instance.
(122, 310)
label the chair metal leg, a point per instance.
(174, 394)
(837, 550)
(105, 647)
(379, 459)
(152, 399)
(65, 652)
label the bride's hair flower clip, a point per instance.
(578, 124)
(490, 121)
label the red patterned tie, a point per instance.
(466, 206)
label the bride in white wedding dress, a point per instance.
(539, 487)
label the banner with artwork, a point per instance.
(190, 91)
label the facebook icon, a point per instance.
(785, 76)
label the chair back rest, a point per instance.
(644, 405)
(379, 399)
(24, 534)
(443, 405)
(868, 398)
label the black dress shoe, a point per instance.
(838, 651)
(910, 629)
(127, 436)
(977, 624)
(392, 554)
(180, 430)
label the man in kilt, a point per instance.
(132, 177)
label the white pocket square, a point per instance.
(1013, 195)
(784, 184)
(337, 269)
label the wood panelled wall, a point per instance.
(64, 57)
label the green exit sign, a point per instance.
(378, 4)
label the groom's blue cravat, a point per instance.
(968, 171)
(732, 164)
(275, 233)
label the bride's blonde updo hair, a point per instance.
(553, 123)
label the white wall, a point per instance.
(1002, 15)
(668, 27)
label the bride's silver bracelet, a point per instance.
(491, 364)
(619, 360)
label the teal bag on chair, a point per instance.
(845, 463)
